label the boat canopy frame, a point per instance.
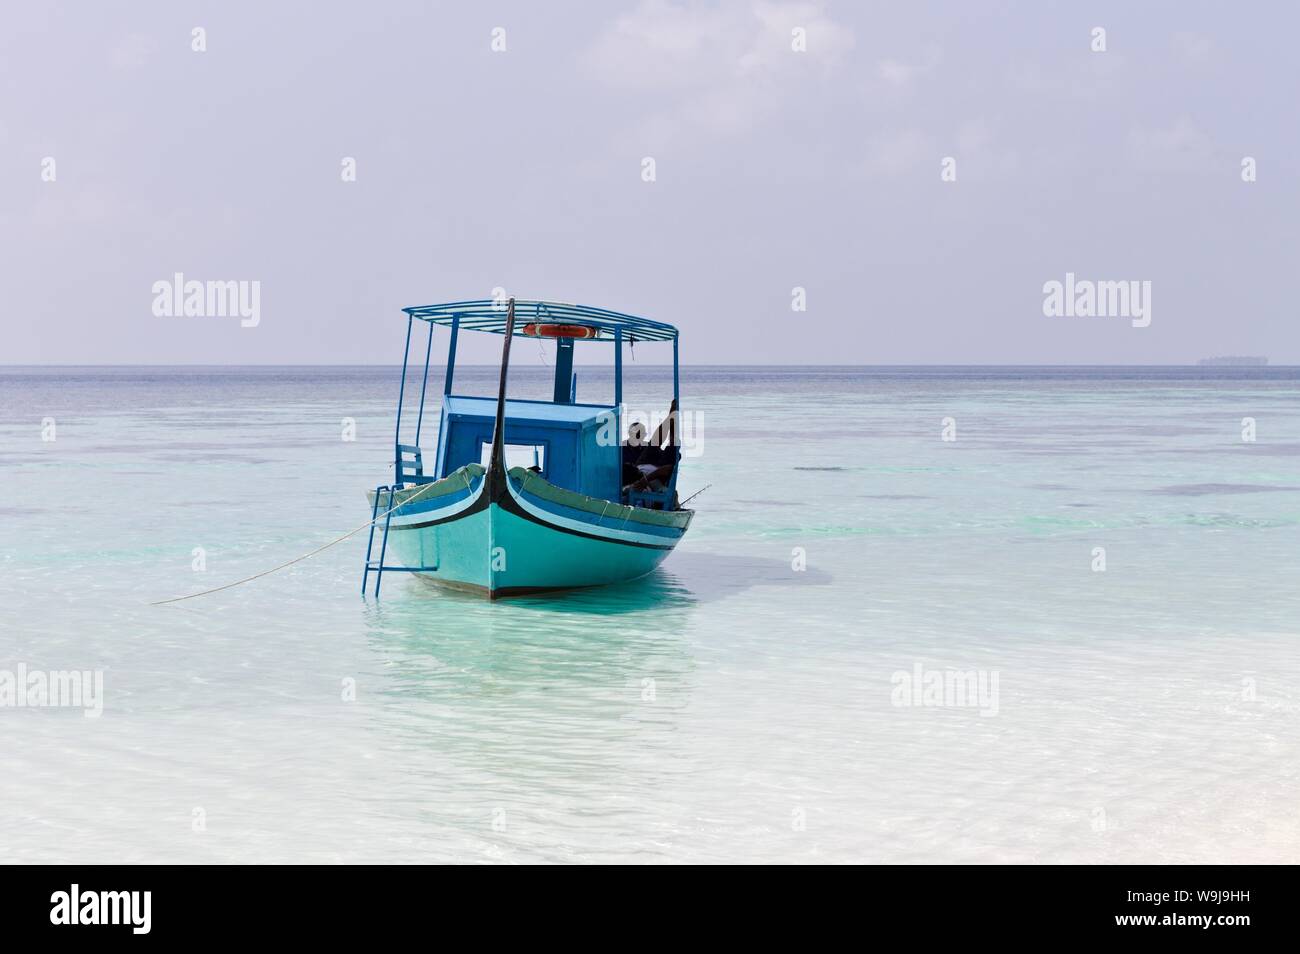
(489, 314)
(494, 316)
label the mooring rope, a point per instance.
(255, 576)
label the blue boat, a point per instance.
(530, 496)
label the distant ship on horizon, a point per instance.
(1234, 361)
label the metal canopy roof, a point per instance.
(490, 315)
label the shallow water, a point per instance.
(730, 706)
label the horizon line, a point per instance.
(460, 364)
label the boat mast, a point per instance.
(674, 415)
(496, 475)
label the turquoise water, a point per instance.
(729, 707)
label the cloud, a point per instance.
(910, 151)
(131, 52)
(898, 73)
(721, 68)
(1193, 46)
(1181, 146)
(900, 151)
(980, 153)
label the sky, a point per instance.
(775, 168)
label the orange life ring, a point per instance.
(539, 330)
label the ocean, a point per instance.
(922, 615)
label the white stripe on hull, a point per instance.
(592, 527)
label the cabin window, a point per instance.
(517, 455)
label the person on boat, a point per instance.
(647, 463)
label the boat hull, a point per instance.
(520, 535)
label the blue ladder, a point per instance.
(372, 564)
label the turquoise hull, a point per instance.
(519, 535)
